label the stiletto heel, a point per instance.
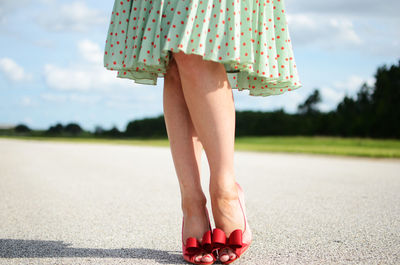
(193, 247)
(220, 241)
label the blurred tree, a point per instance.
(22, 128)
(98, 130)
(55, 130)
(113, 132)
(386, 102)
(148, 127)
(73, 128)
(310, 105)
(345, 115)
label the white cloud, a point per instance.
(353, 84)
(332, 95)
(75, 16)
(44, 43)
(356, 8)
(343, 30)
(90, 51)
(7, 7)
(13, 71)
(84, 75)
(67, 78)
(59, 98)
(72, 97)
(368, 26)
(329, 32)
(28, 121)
(27, 102)
(81, 77)
(47, 2)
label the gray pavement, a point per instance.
(66, 203)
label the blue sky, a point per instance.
(51, 60)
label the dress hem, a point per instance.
(127, 74)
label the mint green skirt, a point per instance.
(249, 37)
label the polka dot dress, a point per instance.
(249, 37)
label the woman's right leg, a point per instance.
(186, 152)
(210, 102)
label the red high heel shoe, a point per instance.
(193, 247)
(220, 241)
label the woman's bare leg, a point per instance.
(186, 151)
(210, 102)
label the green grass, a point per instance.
(362, 147)
(144, 142)
(322, 145)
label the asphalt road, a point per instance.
(66, 203)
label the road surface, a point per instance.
(82, 203)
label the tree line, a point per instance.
(374, 113)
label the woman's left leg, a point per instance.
(186, 150)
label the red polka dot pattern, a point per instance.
(251, 38)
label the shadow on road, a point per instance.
(18, 248)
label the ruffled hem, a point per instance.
(251, 41)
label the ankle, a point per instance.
(226, 192)
(194, 205)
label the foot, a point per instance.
(196, 223)
(228, 216)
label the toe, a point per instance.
(198, 258)
(223, 256)
(207, 258)
(232, 255)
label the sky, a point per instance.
(51, 61)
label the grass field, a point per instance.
(316, 145)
